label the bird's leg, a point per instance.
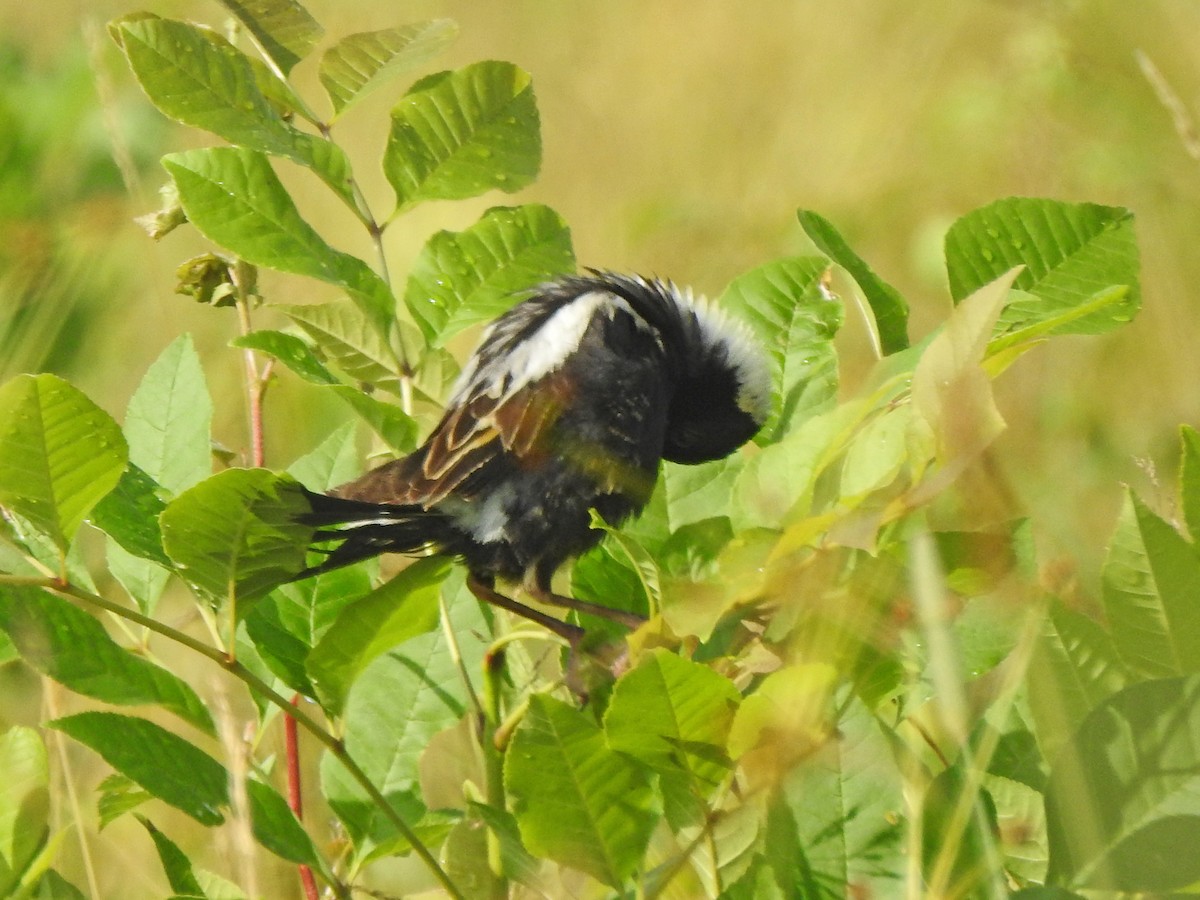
(485, 591)
(541, 592)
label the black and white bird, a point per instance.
(569, 403)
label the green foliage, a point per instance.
(61, 453)
(234, 536)
(579, 802)
(847, 685)
(458, 134)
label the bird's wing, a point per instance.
(477, 436)
(477, 440)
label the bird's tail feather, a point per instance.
(362, 529)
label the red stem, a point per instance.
(292, 744)
(256, 383)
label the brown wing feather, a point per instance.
(470, 436)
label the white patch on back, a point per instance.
(540, 353)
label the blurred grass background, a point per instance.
(680, 138)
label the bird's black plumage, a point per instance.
(568, 404)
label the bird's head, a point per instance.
(721, 384)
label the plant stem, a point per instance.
(255, 380)
(252, 681)
(256, 387)
(291, 732)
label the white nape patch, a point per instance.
(742, 350)
(540, 353)
(484, 519)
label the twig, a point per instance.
(1182, 119)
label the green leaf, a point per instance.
(59, 454)
(144, 581)
(1189, 479)
(235, 535)
(1070, 253)
(457, 134)
(515, 860)
(1005, 348)
(696, 493)
(168, 422)
(1150, 582)
(348, 339)
(674, 715)
(605, 576)
(197, 77)
(878, 452)
(52, 886)
(175, 863)
(400, 701)
(287, 623)
(359, 63)
(789, 708)
(576, 801)
(889, 308)
(65, 643)
(335, 461)
(236, 200)
(284, 29)
(129, 515)
(24, 803)
(166, 765)
(785, 305)
(290, 350)
(183, 775)
(390, 422)
(117, 796)
(400, 609)
(1122, 807)
(1074, 666)
(843, 813)
(950, 389)
(275, 825)
(471, 276)
(1021, 816)
(777, 484)
(465, 855)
